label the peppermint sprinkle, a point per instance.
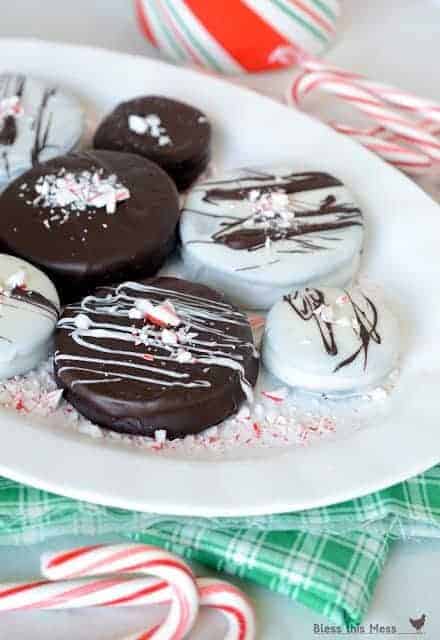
(17, 279)
(82, 321)
(342, 299)
(160, 435)
(162, 315)
(76, 192)
(150, 124)
(184, 357)
(169, 336)
(270, 210)
(11, 107)
(325, 312)
(135, 314)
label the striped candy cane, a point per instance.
(215, 594)
(135, 559)
(127, 592)
(407, 141)
(224, 597)
(79, 594)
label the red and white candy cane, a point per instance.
(226, 598)
(127, 592)
(408, 143)
(215, 594)
(135, 559)
(83, 593)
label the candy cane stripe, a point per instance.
(318, 19)
(215, 594)
(191, 53)
(155, 588)
(287, 10)
(212, 53)
(221, 36)
(373, 100)
(228, 32)
(144, 23)
(122, 559)
(168, 42)
(331, 12)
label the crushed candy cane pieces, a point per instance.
(277, 395)
(77, 192)
(17, 279)
(83, 322)
(11, 106)
(150, 124)
(162, 315)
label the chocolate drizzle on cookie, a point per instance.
(36, 302)
(277, 214)
(15, 87)
(8, 125)
(20, 298)
(310, 305)
(289, 183)
(41, 127)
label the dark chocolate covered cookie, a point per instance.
(90, 218)
(171, 133)
(159, 354)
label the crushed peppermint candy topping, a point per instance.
(172, 332)
(325, 313)
(168, 336)
(11, 107)
(17, 279)
(162, 315)
(160, 435)
(342, 299)
(329, 314)
(76, 192)
(277, 395)
(184, 357)
(82, 321)
(150, 124)
(265, 424)
(270, 210)
(135, 314)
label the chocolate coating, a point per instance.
(132, 378)
(187, 154)
(93, 247)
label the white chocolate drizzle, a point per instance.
(178, 330)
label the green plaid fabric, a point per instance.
(329, 559)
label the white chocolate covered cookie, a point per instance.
(37, 122)
(256, 234)
(29, 309)
(331, 340)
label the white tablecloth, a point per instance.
(396, 41)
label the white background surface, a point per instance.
(396, 41)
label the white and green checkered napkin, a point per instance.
(329, 559)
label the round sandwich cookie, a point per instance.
(29, 308)
(162, 354)
(171, 133)
(91, 218)
(331, 340)
(37, 123)
(256, 234)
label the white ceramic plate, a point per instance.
(403, 231)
